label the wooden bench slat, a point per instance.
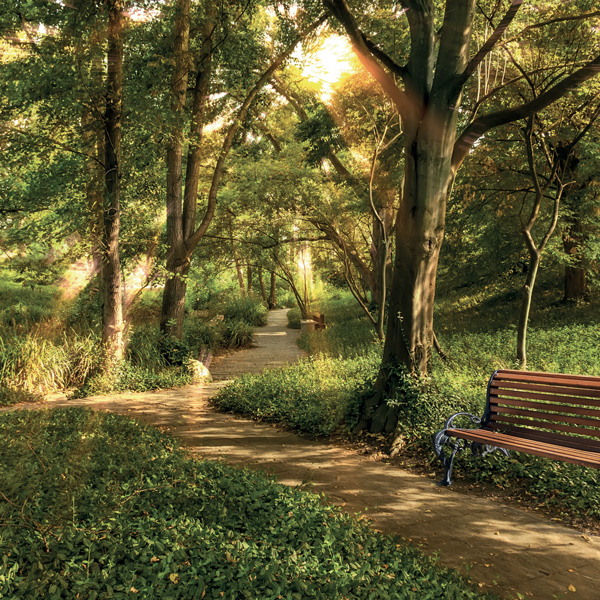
(573, 382)
(523, 375)
(552, 417)
(565, 392)
(501, 401)
(552, 426)
(551, 437)
(578, 457)
(500, 439)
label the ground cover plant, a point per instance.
(478, 337)
(96, 505)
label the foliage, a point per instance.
(347, 334)
(249, 309)
(126, 377)
(23, 306)
(97, 506)
(36, 364)
(310, 396)
(294, 316)
(237, 333)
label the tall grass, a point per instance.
(41, 365)
(249, 309)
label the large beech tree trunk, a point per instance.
(112, 298)
(427, 93)
(419, 236)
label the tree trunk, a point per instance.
(419, 235)
(173, 303)
(261, 282)
(575, 273)
(238, 268)
(93, 144)
(534, 263)
(249, 275)
(182, 234)
(112, 299)
(273, 291)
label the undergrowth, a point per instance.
(325, 394)
(312, 396)
(99, 506)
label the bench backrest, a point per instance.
(548, 407)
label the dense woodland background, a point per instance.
(423, 173)
(173, 152)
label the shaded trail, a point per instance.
(510, 550)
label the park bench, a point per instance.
(547, 414)
(319, 320)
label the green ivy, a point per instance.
(96, 505)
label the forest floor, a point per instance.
(513, 552)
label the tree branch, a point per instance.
(486, 122)
(339, 9)
(489, 44)
(195, 238)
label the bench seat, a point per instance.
(585, 458)
(553, 415)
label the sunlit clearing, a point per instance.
(75, 279)
(327, 65)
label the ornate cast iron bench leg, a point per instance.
(440, 439)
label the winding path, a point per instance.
(509, 550)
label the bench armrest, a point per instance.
(449, 422)
(440, 437)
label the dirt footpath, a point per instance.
(274, 346)
(509, 551)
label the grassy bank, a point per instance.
(98, 506)
(48, 345)
(477, 333)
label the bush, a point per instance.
(311, 396)
(202, 337)
(294, 316)
(36, 365)
(248, 309)
(101, 506)
(237, 333)
(130, 378)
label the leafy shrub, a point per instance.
(101, 506)
(237, 333)
(248, 309)
(286, 299)
(10, 395)
(294, 316)
(143, 349)
(310, 396)
(127, 377)
(202, 337)
(173, 350)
